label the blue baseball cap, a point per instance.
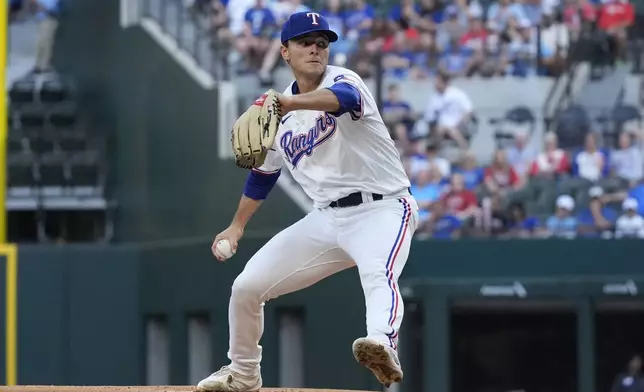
(302, 23)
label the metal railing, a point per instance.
(193, 32)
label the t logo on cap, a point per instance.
(314, 16)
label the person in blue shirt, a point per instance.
(471, 172)
(358, 19)
(259, 28)
(427, 189)
(444, 226)
(598, 219)
(398, 115)
(563, 224)
(336, 18)
(456, 60)
(259, 19)
(637, 193)
(521, 225)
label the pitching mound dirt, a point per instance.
(45, 388)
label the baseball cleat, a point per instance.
(226, 380)
(381, 359)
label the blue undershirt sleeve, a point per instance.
(259, 184)
(349, 98)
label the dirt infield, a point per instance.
(46, 388)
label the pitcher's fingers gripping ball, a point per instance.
(254, 132)
(224, 250)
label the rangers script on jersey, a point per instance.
(331, 157)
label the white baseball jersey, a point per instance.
(332, 157)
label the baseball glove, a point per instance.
(254, 132)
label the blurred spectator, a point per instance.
(457, 60)
(494, 53)
(522, 49)
(632, 380)
(404, 15)
(260, 25)
(614, 18)
(520, 154)
(449, 111)
(626, 162)
(403, 56)
(637, 193)
(47, 12)
(444, 225)
(630, 224)
(431, 15)
(495, 221)
(554, 44)
(372, 47)
(398, 116)
(458, 201)
(281, 9)
(451, 30)
(520, 225)
(342, 48)
(500, 13)
(474, 42)
(426, 189)
(500, 177)
(552, 161)
(434, 159)
(590, 162)
(535, 9)
(577, 14)
(598, 219)
(219, 21)
(562, 224)
(358, 19)
(470, 170)
(431, 157)
(236, 11)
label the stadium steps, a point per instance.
(597, 96)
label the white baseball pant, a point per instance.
(374, 236)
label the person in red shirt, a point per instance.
(458, 201)
(474, 41)
(577, 14)
(500, 177)
(552, 161)
(614, 18)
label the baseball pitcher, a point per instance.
(326, 130)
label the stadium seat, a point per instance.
(63, 115)
(32, 118)
(625, 113)
(22, 92)
(571, 126)
(517, 117)
(73, 142)
(53, 172)
(85, 174)
(16, 143)
(20, 171)
(41, 145)
(54, 91)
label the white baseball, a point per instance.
(224, 250)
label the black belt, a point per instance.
(354, 199)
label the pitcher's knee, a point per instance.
(247, 288)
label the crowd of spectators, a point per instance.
(417, 38)
(596, 191)
(524, 192)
